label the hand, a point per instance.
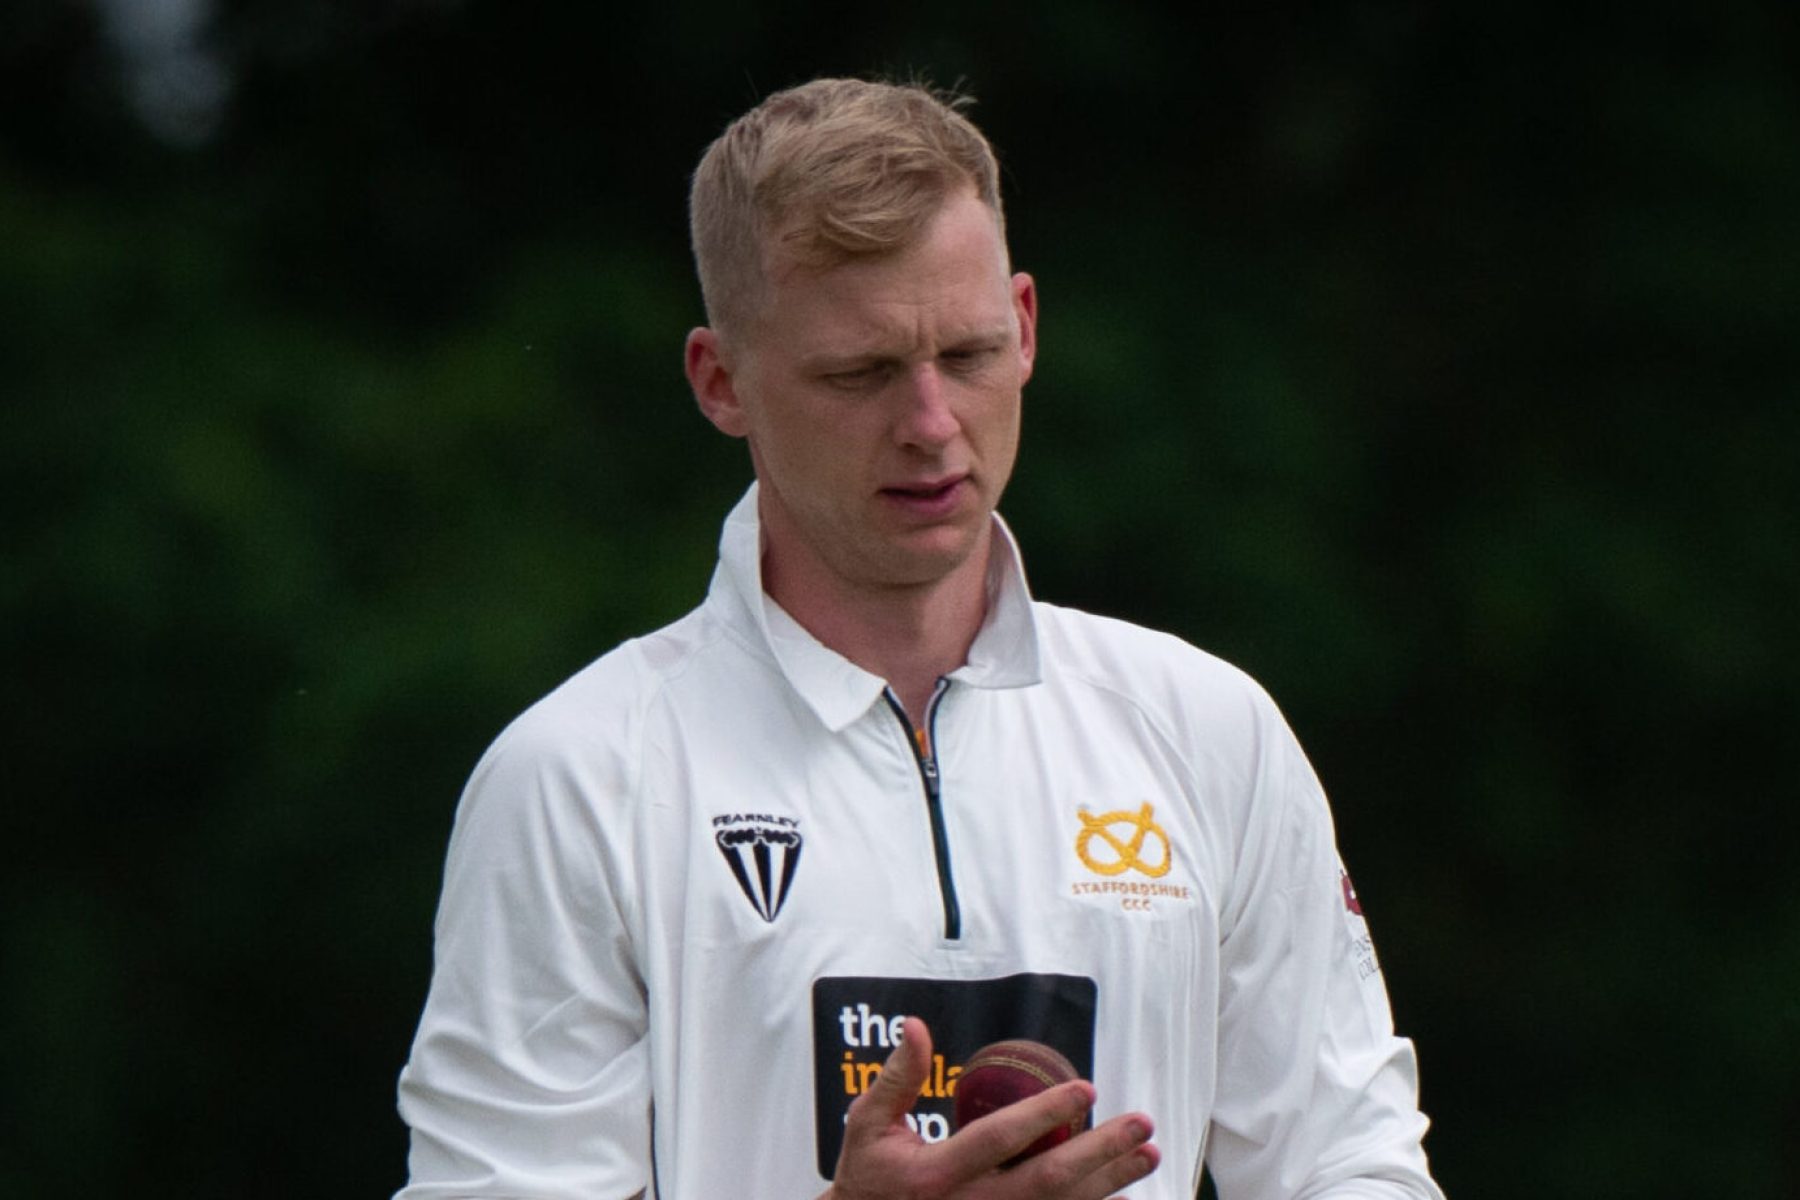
(883, 1159)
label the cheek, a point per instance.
(809, 454)
(789, 438)
(998, 429)
(1005, 456)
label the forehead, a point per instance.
(953, 279)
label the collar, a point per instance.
(1003, 655)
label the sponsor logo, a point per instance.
(763, 853)
(1362, 947)
(856, 1025)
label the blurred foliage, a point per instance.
(1436, 364)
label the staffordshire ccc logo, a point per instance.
(1128, 841)
(763, 853)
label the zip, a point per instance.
(925, 754)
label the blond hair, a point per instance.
(830, 170)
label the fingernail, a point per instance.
(1140, 1130)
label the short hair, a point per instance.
(834, 169)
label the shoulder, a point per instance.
(1157, 671)
(1240, 756)
(583, 737)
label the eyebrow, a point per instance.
(825, 364)
(828, 361)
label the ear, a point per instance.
(710, 377)
(1024, 294)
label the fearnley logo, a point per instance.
(763, 853)
(1116, 845)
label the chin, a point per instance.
(927, 561)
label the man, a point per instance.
(724, 914)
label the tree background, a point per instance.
(1435, 363)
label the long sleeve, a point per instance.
(1317, 1098)
(529, 1074)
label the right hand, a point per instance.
(884, 1159)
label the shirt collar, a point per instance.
(1003, 655)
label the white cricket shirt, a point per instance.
(706, 876)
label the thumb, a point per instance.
(894, 1091)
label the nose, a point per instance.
(925, 418)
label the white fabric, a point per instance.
(596, 959)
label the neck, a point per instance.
(910, 636)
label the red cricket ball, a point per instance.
(1007, 1072)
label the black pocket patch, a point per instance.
(855, 1021)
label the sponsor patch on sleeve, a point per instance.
(1362, 946)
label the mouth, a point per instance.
(927, 497)
(928, 490)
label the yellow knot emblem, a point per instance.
(1127, 853)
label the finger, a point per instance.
(985, 1143)
(1122, 1171)
(1095, 1164)
(896, 1089)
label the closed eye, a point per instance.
(969, 358)
(859, 378)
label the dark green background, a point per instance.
(1436, 363)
